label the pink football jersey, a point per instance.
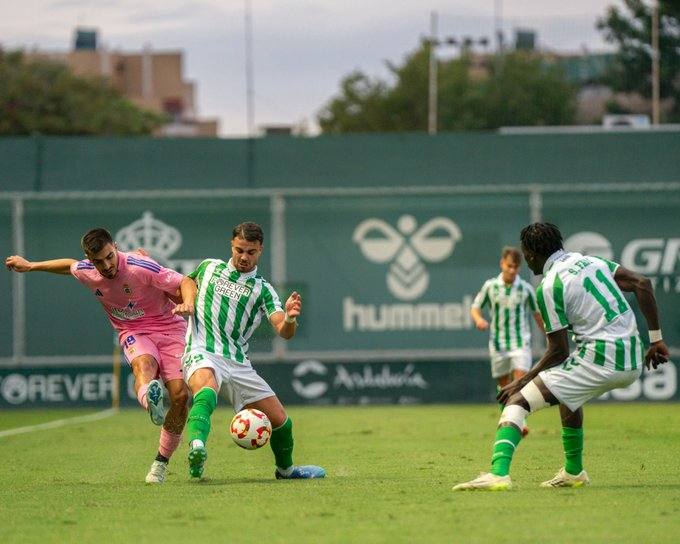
(136, 299)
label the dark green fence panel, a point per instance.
(142, 163)
(105, 163)
(20, 162)
(466, 159)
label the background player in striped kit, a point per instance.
(508, 297)
(231, 301)
(135, 293)
(583, 294)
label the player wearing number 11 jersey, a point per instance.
(582, 294)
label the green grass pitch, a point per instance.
(390, 473)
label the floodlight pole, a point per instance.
(498, 23)
(432, 86)
(655, 63)
(250, 85)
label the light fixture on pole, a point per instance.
(465, 43)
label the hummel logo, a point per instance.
(98, 293)
(405, 248)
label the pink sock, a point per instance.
(168, 443)
(141, 396)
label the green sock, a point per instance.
(198, 422)
(507, 440)
(572, 439)
(282, 444)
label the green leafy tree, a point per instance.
(513, 89)
(629, 28)
(42, 97)
(526, 90)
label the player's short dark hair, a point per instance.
(94, 240)
(513, 253)
(252, 232)
(541, 238)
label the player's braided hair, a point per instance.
(541, 238)
(94, 240)
(252, 232)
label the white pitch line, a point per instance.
(59, 423)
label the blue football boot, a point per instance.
(301, 472)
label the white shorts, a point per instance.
(504, 362)
(239, 383)
(575, 382)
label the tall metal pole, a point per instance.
(432, 86)
(277, 205)
(498, 23)
(18, 289)
(655, 63)
(250, 85)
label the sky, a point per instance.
(301, 48)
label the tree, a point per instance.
(630, 30)
(513, 89)
(44, 97)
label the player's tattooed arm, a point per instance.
(17, 263)
(631, 282)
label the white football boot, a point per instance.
(157, 473)
(487, 482)
(564, 479)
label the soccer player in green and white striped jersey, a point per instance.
(231, 301)
(582, 294)
(509, 299)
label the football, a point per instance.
(250, 429)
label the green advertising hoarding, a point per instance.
(395, 273)
(309, 382)
(383, 277)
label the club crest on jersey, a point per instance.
(126, 289)
(231, 289)
(98, 293)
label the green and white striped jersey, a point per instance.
(228, 308)
(508, 304)
(579, 292)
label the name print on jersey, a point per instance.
(231, 289)
(126, 313)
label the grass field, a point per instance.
(390, 472)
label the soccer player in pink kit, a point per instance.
(135, 293)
